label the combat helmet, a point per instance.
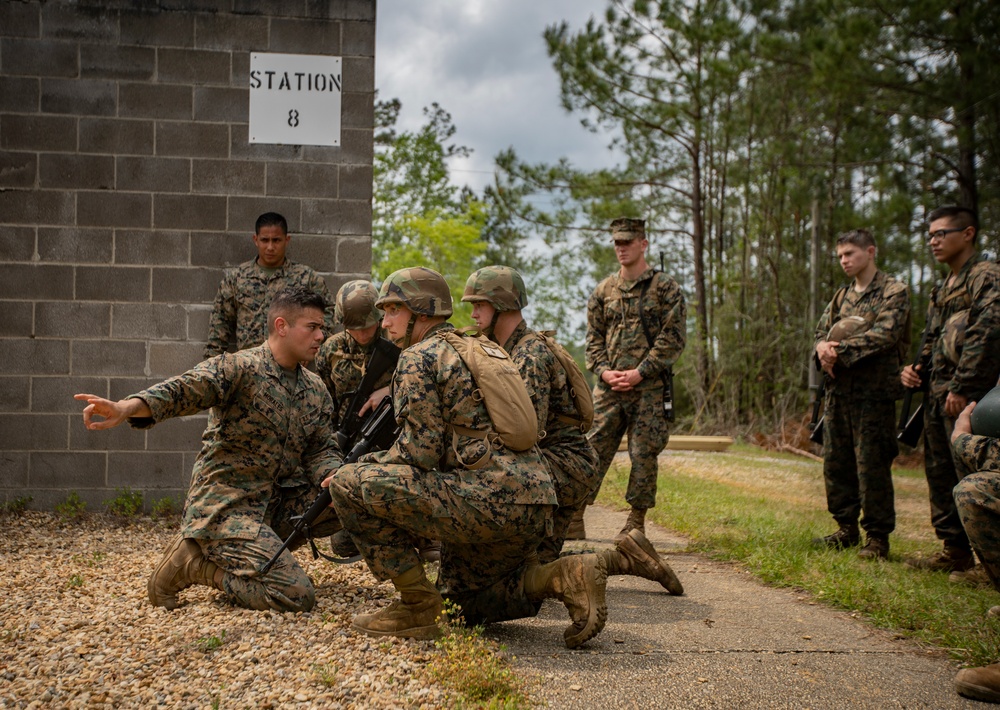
(500, 286)
(847, 327)
(355, 305)
(986, 415)
(953, 336)
(422, 290)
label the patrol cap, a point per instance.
(355, 305)
(986, 415)
(847, 327)
(422, 290)
(953, 336)
(500, 286)
(627, 229)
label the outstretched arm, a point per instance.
(112, 413)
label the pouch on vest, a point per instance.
(579, 389)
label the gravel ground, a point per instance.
(77, 630)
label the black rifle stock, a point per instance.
(385, 355)
(377, 429)
(911, 427)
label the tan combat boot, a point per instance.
(636, 521)
(182, 565)
(577, 530)
(635, 555)
(579, 582)
(980, 683)
(414, 615)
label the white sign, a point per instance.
(295, 99)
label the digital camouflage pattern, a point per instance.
(422, 290)
(239, 315)
(977, 498)
(616, 341)
(488, 519)
(500, 286)
(355, 305)
(571, 460)
(859, 429)
(943, 473)
(341, 363)
(628, 228)
(953, 336)
(265, 451)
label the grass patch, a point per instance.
(763, 510)
(208, 644)
(73, 508)
(127, 504)
(15, 508)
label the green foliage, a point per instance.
(326, 674)
(73, 508)
(208, 644)
(76, 580)
(126, 504)
(15, 508)
(163, 508)
(470, 665)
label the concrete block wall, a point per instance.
(127, 184)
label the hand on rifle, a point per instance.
(912, 377)
(826, 351)
(963, 425)
(373, 401)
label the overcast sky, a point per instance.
(484, 61)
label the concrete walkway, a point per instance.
(729, 642)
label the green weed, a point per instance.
(163, 508)
(326, 674)
(76, 580)
(126, 504)
(73, 508)
(15, 508)
(207, 644)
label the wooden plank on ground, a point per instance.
(692, 443)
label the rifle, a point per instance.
(816, 425)
(667, 376)
(384, 357)
(375, 431)
(911, 427)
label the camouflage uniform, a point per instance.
(616, 341)
(571, 460)
(977, 498)
(859, 427)
(266, 428)
(239, 315)
(341, 364)
(977, 288)
(488, 519)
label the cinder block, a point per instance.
(356, 182)
(196, 140)
(35, 207)
(121, 438)
(336, 217)
(160, 101)
(100, 61)
(185, 285)
(357, 147)
(32, 57)
(121, 137)
(54, 395)
(354, 254)
(222, 249)
(159, 321)
(359, 38)
(359, 74)
(302, 180)
(15, 394)
(18, 169)
(122, 387)
(244, 211)
(17, 243)
(167, 359)
(86, 97)
(20, 19)
(34, 132)
(192, 66)
(17, 93)
(189, 212)
(109, 357)
(217, 6)
(35, 281)
(30, 356)
(14, 469)
(112, 283)
(151, 247)
(341, 9)
(198, 319)
(241, 72)
(72, 319)
(18, 318)
(225, 105)
(34, 432)
(228, 177)
(73, 171)
(152, 26)
(240, 147)
(357, 110)
(63, 21)
(114, 209)
(319, 252)
(180, 434)
(305, 36)
(78, 246)
(234, 33)
(147, 471)
(71, 470)
(154, 174)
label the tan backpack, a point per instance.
(579, 389)
(502, 390)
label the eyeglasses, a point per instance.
(942, 233)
